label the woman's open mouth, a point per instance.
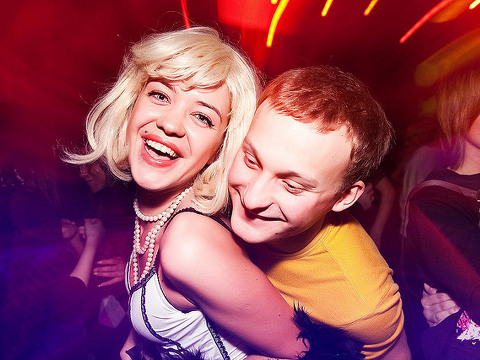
(159, 151)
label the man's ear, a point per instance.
(349, 196)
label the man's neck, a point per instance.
(293, 244)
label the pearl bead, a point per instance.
(149, 243)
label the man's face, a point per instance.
(285, 178)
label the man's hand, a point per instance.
(69, 229)
(437, 306)
(113, 268)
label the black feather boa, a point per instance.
(325, 343)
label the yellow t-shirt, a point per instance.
(341, 279)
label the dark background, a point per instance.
(58, 56)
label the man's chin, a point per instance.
(247, 233)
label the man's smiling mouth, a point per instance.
(252, 216)
(156, 149)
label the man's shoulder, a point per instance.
(342, 279)
(344, 238)
(363, 274)
(357, 285)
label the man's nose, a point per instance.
(257, 195)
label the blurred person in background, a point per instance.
(442, 230)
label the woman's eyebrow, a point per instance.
(203, 103)
(166, 84)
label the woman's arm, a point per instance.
(94, 233)
(129, 343)
(206, 265)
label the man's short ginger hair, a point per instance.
(331, 98)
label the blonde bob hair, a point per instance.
(200, 59)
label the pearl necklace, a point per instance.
(149, 244)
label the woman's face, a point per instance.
(94, 176)
(173, 133)
(473, 135)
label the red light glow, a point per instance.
(435, 10)
(186, 20)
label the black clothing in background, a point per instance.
(443, 249)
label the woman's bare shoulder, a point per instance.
(193, 240)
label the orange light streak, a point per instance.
(326, 7)
(370, 7)
(275, 19)
(474, 4)
(186, 19)
(435, 10)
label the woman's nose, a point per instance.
(172, 122)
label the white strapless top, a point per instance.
(156, 319)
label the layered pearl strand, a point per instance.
(149, 243)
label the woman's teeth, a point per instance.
(160, 148)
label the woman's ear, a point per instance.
(349, 196)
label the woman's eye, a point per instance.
(204, 119)
(160, 96)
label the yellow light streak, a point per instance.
(275, 19)
(370, 7)
(474, 4)
(326, 7)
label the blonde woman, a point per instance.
(173, 122)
